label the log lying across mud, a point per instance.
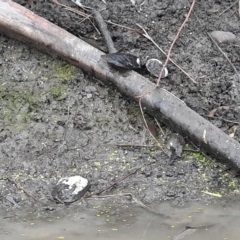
(21, 24)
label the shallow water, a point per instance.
(215, 221)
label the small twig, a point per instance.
(103, 28)
(224, 54)
(161, 72)
(104, 31)
(111, 185)
(219, 48)
(146, 35)
(78, 2)
(163, 133)
(228, 8)
(86, 16)
(21, 188)
(190, 150)
(71, 9)
(122, 26)
(146, 125)
(226, 120)
(223, 119)
(170, 50)
(132, 145)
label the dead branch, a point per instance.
(104, 31)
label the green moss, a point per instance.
(17, 105)
(57, 91)
(134, 111)
(202, 159)
(225, 181)
(63, 70)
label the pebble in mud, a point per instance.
(70, 189)
(222, 36)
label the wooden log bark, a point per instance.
(22, 24)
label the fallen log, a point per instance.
(19, 23)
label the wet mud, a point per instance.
(57, 121)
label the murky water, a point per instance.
(215, 222)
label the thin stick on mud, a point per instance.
(88, 16)
(227, 58)
(170, 50)
(225, 120)
(132, 145)
(146, 125)
(163, 133)
(228, 8)
(146, 35)
(219, 48)
(161, 72)
(224, 54)
(104, 31)
(21, 188)
(113, 184)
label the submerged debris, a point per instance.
(184, 233)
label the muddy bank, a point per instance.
(56, 121)
(161, 104)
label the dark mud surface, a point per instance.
(57, 121)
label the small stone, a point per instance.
(222, 36)
(70, 189)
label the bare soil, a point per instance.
(57, 121)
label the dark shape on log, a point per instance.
(122, 60)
